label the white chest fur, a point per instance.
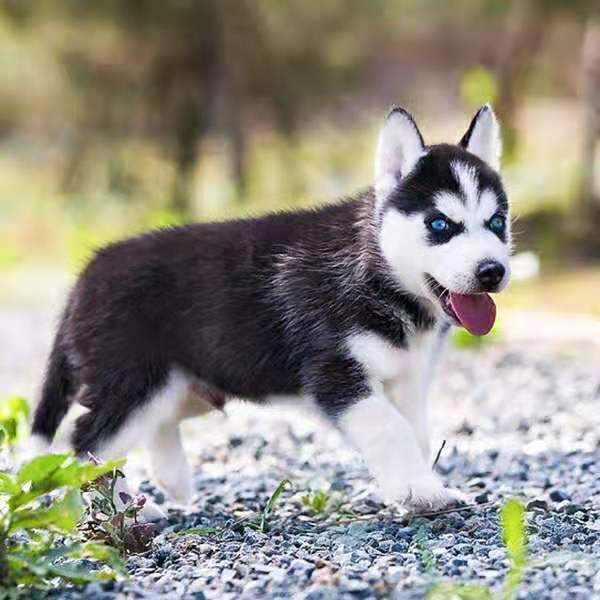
(378, 356)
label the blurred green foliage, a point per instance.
(461, 338)
(119, 116)
(14, 414)
(478, 86)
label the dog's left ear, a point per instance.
(483, 137)
(400, 146)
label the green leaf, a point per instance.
(320, 500)
(275, 496)
(513, 528)
(11, 593)
(515, 539)
(425, 553)
(54, 471)
(41, 467)
(8, 485)
(272, 501)
(77, 574)
(78, 473)
(63, 515)
(36, 477)
(42, 561)
(42, 566)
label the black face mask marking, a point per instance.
(441, 229)
(434, 174)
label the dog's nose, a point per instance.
(489, 274)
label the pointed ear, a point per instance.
(400, 146)
(483, 137)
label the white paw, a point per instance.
(428, 493)
(150, 512)
(180, 488)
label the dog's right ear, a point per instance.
(399, 148)
(483, 137)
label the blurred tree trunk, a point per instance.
(189, 130)
(190, 76)
(526, 29)
(589, 207)
(240, 38)
(260, 74)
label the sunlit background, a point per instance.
(118, 116)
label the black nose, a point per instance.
(490, 274)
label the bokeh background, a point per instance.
(117, 116)
(122, 115)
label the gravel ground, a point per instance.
(520, 419)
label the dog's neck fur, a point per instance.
(375, 272)
(357, 284)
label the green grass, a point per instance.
(512, 519)
(270, 506)
(317, 501)
(259, 521)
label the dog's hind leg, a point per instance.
(167, 456)
(125, 406)
(130, 415)
(169, 463)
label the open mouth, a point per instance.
(475, 312)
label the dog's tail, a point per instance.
(57, 391)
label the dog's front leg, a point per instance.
(387, 442)
(410, 391)
(409, 398)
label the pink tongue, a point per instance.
(476, 312)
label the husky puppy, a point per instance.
(345, 306)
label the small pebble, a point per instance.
(537, 504)
(559, 496)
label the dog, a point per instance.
(345, 307)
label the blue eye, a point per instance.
(439, 225)
(497, 224)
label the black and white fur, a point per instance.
(332, 306)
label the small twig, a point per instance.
(439, 453)
(445, 511)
